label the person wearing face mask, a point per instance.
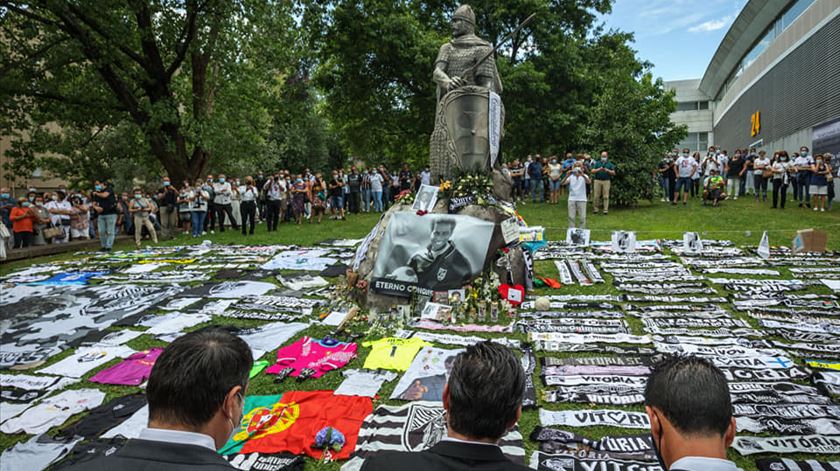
(23, 217)
(141, 207)
(577, 180)
(6, 205)
(168, 202)
(832, 178)
(60, 210)
(804, 164)
(41, 222)
(664, 170)
(79, 219)
(602, 173)
(221, 201)
(555, 172)
(105, 205)
(691, 431)
(196, 396)
(781, 178)
(735, 169)
(820, 173)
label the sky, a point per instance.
(678, 36)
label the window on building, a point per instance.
(686, 106)
(695, 142)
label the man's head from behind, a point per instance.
(690, 410)
(483, 395)
(198, 384)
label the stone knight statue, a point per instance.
(467, 78)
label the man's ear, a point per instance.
(516, 418)
(231, 403)
(729, 436)
(655, 426)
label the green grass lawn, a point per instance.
(741, 221)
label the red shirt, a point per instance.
(22, 225)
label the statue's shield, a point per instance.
(466, 111)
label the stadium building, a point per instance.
(773, 83)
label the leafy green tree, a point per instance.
(629, 118)
(191, 79)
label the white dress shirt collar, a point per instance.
(697, 463)
(456, 440)
(178, 437)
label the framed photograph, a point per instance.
(425, 199)
(576, 236)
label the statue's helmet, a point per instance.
(465, 13)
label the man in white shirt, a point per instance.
(221, 202)
(426, 176)
(691, 431)
(60, 210)
(376, 182)
(196, 395)
(577, 181)
(803, 163)
(686, 167)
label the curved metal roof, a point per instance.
(745, 31)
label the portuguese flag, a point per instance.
(273, 424)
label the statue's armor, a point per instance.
(458, 56)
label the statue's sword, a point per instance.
(496, 47)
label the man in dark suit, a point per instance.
(690, 410)
(196, 395)
(483, 401)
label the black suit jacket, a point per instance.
(145, 455)
(445, 456)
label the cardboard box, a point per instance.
(809, 240)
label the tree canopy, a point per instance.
(188, 86)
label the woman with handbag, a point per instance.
(781, 169)
(819, 182)
(762, 172)
(300, 195)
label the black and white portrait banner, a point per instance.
(598, 417)
(811, 444)
(549, 462)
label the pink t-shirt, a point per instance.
(130, 372)
(319, 355)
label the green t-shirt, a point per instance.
(602, 175)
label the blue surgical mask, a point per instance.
(221, 180)
(98, 187)
(4, 195)
(138, 195)
(26, 204)
(165, 183)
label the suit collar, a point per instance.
(174, 453)
(468, 451)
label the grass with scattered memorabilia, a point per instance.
(741, 221)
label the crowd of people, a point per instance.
(748, 172)
(216, 202)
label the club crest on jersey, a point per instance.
(441, 274)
